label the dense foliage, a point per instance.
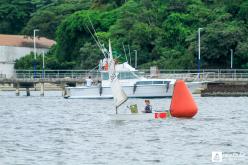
(164, 32)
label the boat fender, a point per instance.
(100, 88)
(182, 102)
(134, 88)
(167, 87)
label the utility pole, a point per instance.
(43, 64)
(136, 58)
(125, 51)
(129, 52)
(199, 51)
(231, 58)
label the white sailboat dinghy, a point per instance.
(120, 97)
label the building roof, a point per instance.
(25, 41)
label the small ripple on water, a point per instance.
(153, 161)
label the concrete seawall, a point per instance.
(226, 89)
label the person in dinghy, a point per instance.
(148, 107)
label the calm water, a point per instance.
(55, 131)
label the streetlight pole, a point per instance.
(35, 30)
(136, 56)
(43, 64)
(231, 58)
(199, 51)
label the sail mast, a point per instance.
(119, 95)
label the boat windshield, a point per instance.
(121, 75)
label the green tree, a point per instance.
(14, 14)
(48, 18)
(217, 40)
(163, 32)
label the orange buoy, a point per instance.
(182, 103)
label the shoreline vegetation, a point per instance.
(164, 33)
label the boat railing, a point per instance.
(2, 76)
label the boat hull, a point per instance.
(142, 91)
(148, 91)
(143, 116)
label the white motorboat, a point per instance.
(135, 86)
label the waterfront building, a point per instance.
(13, 47)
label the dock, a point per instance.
(226, 89)
(57, 84)
(219, 82)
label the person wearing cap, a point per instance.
(148, 107)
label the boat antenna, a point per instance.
(125, 51)
(95, 37)
(98, 44)
(92, 26)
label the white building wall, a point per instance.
(6, 70)
(8, 55)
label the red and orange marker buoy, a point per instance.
(182, 103)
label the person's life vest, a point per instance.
(106, 66)
(148, 109)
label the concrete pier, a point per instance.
(41, 85)
(226, 89)
(42, 88)
(17, 90)
(64, 92)
(28, 91)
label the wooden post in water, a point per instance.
(28, 91)
(17, 89)
(42, 88)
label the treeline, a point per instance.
(163, 32)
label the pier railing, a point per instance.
(2, 76)
(189, 75)
(204, 75)
(55, 74)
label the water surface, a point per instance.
(56, 131)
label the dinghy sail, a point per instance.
(119, 95)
